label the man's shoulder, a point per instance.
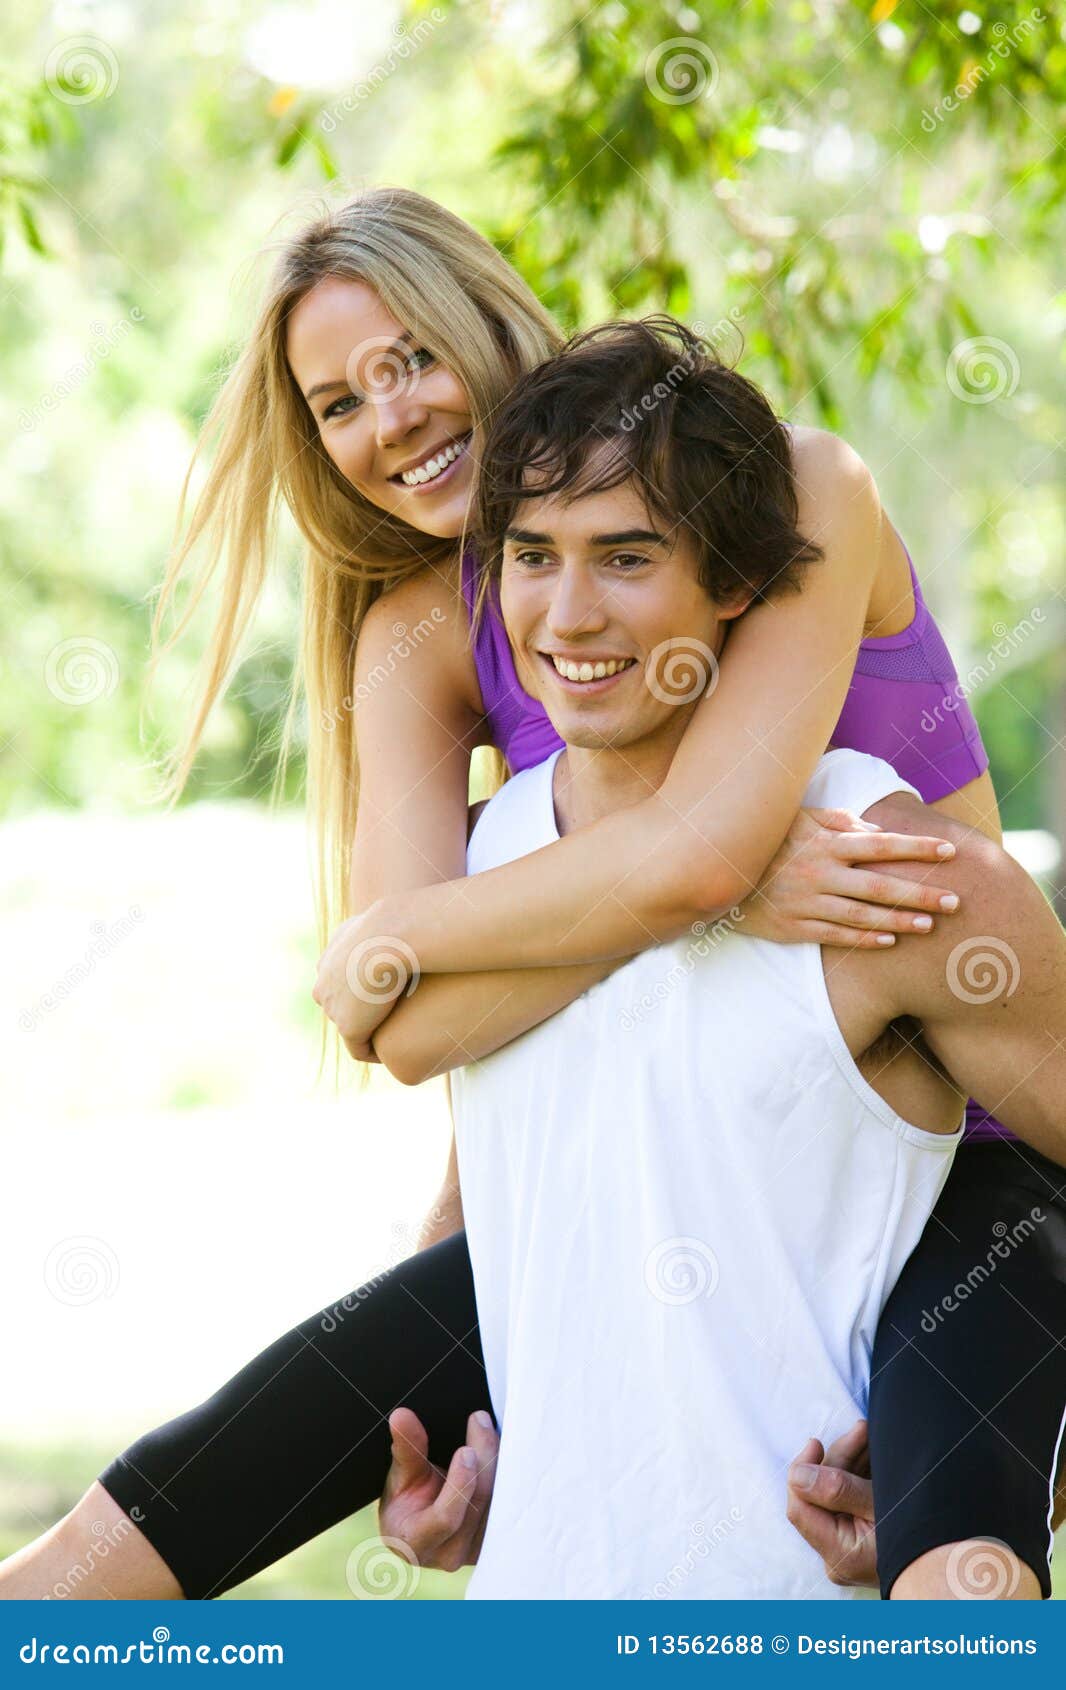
(913, 974)
(845, 779)
(516, 819)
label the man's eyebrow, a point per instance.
(624, 537)
(402, 344)
(627, 536)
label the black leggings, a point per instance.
(969, 1372)
(299, 1438)
(964, 1421)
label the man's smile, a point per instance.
(589, 672)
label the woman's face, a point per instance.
(385, 408)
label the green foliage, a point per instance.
(803, 174)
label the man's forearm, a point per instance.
(452, 1019)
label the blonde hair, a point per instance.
(452, 289)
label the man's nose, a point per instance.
(577, 604)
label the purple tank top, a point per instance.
(904, 704)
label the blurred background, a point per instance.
(862, 202)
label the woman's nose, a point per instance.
(396, 418)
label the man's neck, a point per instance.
(590, 784)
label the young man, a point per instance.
(689, 1193)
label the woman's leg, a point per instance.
(969, 1385)
(296, 1441)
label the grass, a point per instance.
(39, 1486)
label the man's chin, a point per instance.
(592, 736)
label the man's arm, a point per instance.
(988, 985)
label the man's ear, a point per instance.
(730, 612)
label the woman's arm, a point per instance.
(419, 717)
(702, 842)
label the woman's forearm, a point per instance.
(452, 1019)
(553, 907)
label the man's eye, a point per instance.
(334, 410)
(628, 560)
(531, 560)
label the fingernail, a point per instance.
(802, 1476)
(923, 923)
(949, 901)
(886, 938)
(484, 1419)
(945, 850)
(468, 1457)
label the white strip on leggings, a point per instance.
(1054, 1476)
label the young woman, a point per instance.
(390, 334)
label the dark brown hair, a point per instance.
(701, 441)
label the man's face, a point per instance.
(596, 585)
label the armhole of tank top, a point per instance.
(915, 628)
(856, 1079)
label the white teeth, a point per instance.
(433, 467)
(591, 671)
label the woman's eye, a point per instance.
(421, 357)
(530, 560)
(335, 410)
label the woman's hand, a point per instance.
(827, 885)
(361, 973)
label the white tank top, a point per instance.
(685, 1208)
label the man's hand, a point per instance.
(831, 1505)
(440, 1517)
